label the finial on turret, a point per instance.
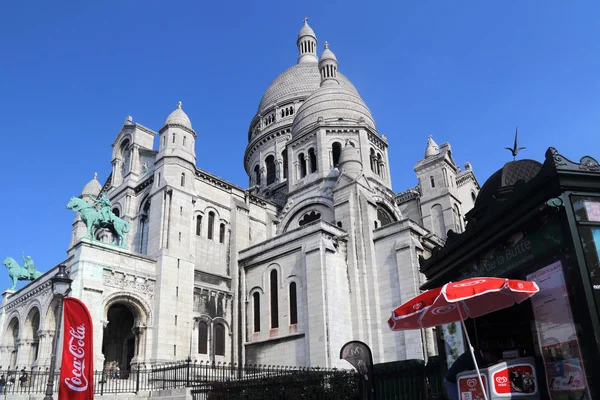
(326, 45)
(128, 120)
(305, 20)
(432, 148)
(95, 176)
(515, 149)
(179, 105)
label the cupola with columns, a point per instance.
(307, 44)
(177, 138)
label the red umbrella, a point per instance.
(457, 301)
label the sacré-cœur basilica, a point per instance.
(173, 261)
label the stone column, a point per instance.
(23, 353)
(4, 357)
(135, 159)
(278, 170)
(45, 351)
(263, 177)
(117, 177)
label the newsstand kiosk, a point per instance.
(510, 379)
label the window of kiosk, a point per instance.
(587, 214)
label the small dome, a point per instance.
(327, 54)
(332, 103)
(506, 177)
(306, 30)
(178, 117)
(92, 188)
(350, 160)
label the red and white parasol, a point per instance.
(457, 301)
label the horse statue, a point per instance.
(103, 218)
(18, 273)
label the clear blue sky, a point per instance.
(466, 72)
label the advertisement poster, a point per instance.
(514, 381)
(453, 342)
(470, 389)
(557, 337)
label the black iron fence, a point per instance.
(215, 381)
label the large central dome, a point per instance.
(296, 82)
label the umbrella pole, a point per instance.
(462, 321)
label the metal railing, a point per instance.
(215, 381)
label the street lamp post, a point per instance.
(61, 286)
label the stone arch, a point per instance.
(385, 216)
(267, 275)
(50, 315)
(11, 340)
(126, 318)
(321, 203)
(30, 333)
(125, 141)
(137, 304)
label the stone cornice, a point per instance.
(182, 127)
(36, 291)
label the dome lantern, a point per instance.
(328, 66)
(307, 44)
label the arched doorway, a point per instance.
(118, 344)
(11, 340)
(32, 326)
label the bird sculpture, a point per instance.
(515, 149)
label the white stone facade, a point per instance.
(317, 252)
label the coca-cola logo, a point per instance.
(501, 379)
(472, 382)
(443, 309)
(470, 283)
(78, 380)
(418, 306)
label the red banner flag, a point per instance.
(77, 367)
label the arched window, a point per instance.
(219, 337)
(211, 224)
(184, 140)
(202, 337)
(336, 150)
(285, 164)
(379, 165)
(198, 224)
(257, 174)
(270, 164)
(116, 212)
(313, 160)
(222, 233)
(302, 164)
(432, 181)
(164, 141)
(274, 301)
(293, 304)
(256, 301)
(173, 138)
(473, 196)
(182, 179)
(384, 216)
